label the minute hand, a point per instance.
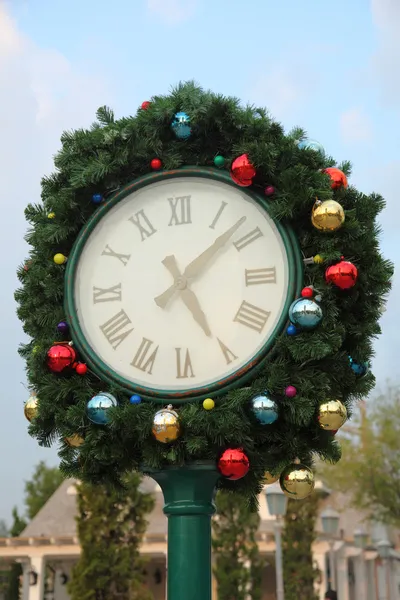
(204, 258)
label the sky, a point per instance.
(329, 68)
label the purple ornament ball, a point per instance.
(290, 391)
(62, 327)
(269, 190)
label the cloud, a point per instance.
(42, 93)
(386, 61)
(283, 90)
(355, 126)
(172, 12)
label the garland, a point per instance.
(320, 363)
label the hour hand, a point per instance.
(190, 300)
(170, 263)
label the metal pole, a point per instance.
(188, 495)
(332, 565)
(278, 559)
(385, 572)
(364, 576)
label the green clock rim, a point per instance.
(240, 377)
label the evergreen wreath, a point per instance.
(322, 364)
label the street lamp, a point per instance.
(277, 505)
(330, 525)
(360, 538)
(360, 541)
(383, 547)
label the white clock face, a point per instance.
(181, 284)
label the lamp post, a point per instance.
(360, 541)
(383, 548)
(330, 525)
(277, 505)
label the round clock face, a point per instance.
(180, 286)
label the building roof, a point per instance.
(57, 518)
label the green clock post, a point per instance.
(157, 297)
(188, 494)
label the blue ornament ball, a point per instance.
(97, 198)
(97, 408)
(311, 145)
(181, 126)
(305, 313)
(135, 399)
(265, 409)
(291, 330)
(359, 369)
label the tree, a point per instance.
(370, 467)
(15, 572)
(111, 524)
(114, 155)
(299, 534)
(238, 565)
(44, 482)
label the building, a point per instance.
(48, 547)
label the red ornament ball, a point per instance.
(156, 164)
(243, 171)
(60, 357)
(233, 464)
(81, 369)
(269, 190)
(344, 274)
(307, 292)
(338, 178)
(145, 105)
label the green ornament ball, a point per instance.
(219, 161)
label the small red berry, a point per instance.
(145, 105)
(81, 369)
(307, 292)
(156, 164)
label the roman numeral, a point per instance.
(259, 276)
(217, 216)
(180, 208)
(141, 221)
(228, 354)
(115, 329)
(111, 294)
(187, 365)
(144, 360)
(124, 258)
(251, 316)
(248, 239)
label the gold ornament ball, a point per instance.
(208, 404)
(31, 408)
(59, 258)
(332, 415)
(318, 259)
(328, 215)
(268, 478)
(74, 440)
(297, 481)
(51, 215)
(166, 427)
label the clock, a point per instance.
(179, 284)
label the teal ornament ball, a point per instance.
(219, 161)
(305, 313)
(98, 407)
(181, 126)
(265, 409)
(311, 145)
(359, 369)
